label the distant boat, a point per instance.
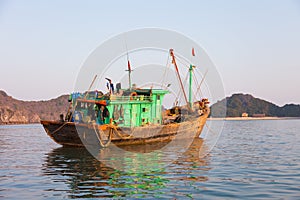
(131, 116)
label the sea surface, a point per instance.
(258, 159)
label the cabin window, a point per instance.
(143, 120)
(144, 109)
(158, 97)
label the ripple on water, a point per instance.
(252, 160)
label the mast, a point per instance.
(190, 85)
(129, 73)
(129, 68)
(92, 83)
(180, 81)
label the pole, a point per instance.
(90, 86)
(190, 86)
(128, 65)
(75, 103)
(129, 76)
(180, 81)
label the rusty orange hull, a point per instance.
(77, 134)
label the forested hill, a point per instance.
(13, 111)
(246, 103)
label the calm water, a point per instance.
(252, 160)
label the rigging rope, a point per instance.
(209, 129)
(198, 89)
(99, 137)
(164, 74)
(197, 84)
(180, 91)
(185, 64)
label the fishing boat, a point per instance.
(130, 116)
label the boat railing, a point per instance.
(130, 98)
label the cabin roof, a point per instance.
(159, 91)
(100, 102)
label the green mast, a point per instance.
(190, 85)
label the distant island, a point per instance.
(13, 111)
(245, 105)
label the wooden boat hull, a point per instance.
(77, 134)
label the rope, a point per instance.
(165, 71)
(198, 89)
(113, 127)
(184, 63)
(99, 137)
(209, 129)
(59, 127)
(180, 91)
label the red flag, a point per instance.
(129, 69)
(193, 52)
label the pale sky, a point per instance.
(255, 45)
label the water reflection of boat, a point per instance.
(87, 177)
(84, 175)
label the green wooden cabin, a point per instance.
(131, 108)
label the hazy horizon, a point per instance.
(254, 44)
